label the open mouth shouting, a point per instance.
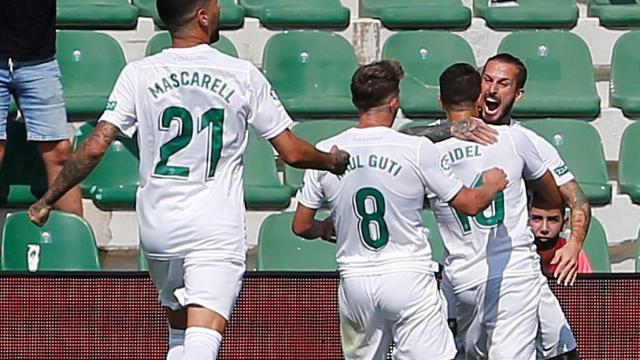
(491, 108)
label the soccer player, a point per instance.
(387, 287)
(548, 226)
(491, 262)
(190, 106)
(503, 80)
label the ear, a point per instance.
(519, 95)
(203, 18)
(394, 102)
(440, 103)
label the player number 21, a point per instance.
(211, 121)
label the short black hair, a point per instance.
(459, 86)
(538, 202)
(507, 58)
(374, 83)
(175, 14)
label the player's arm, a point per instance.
(76, 169)
(472, 129)
(473, 201)
(305, 225)
(577, 201)
(299, 153)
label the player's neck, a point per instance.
(188, 39)
(459, 115)
(375, 117)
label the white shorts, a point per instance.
(498, 320)
(405, 307)
(554, 335)
(198, 280)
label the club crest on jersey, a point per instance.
(111, 105)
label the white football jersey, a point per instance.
(191, 107)
(553, 161)
(496, 242)
(376, 205)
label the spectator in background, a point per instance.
(548, 226)
(30, 72)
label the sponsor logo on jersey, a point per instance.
(275, 99)
(561, 170)
(111, 105)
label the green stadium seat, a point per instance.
(411, 14)
(580, 146)
(162, 41)
(65, 243)
(638, 253)
(561, 81)
(298, 14)
(625, 72)
(435, 238)
(311, 72)
(313, 131)
(262, 186)
(531, 14)
(424, 56)
(616, 13)
(231, 15)
(85, 55)
(96, 14)
(597, 248)
(114, 182)
(629, 166)
(143, 265)
(23, 178)
(279, 249)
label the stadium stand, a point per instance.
(262, 186)
(142, 262)
(22, 176)
(113, 183)
(96, 14)
(424, 55)
(313, 131)
(580, 146)
(231, 15)
(616, 13)
(434, 237)
(410, 14)
(560, 74)
(595, 246)
(65, 243)
(305, 67)
(625, 72)
(80, 54)
(628, 169)
(278, 14)
(530, 14)
(280, 250)
(162, 41)
(638, 253)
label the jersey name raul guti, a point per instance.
(376, 205)
(497, 241)
(191, 108)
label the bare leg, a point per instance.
(571, 355)
(55, 154)
(202, 317)
(2, 143)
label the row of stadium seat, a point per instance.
(395, 15)
(66, 242)
(112, 185)
(561, 81)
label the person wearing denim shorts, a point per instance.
(30, 74)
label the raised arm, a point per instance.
(76, 169)
(472, 130)
(473, 201)
(299, 153)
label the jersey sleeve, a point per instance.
(436, 171)
(552, 159)
(267, 116)
(534, 165)
(311, 194)
(120, 110)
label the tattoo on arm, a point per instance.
(580, 210)
(81, 162)
(435, 133)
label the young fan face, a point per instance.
(546, 226)
(499, 90)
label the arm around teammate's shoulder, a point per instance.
(473, 201)
(298, 153)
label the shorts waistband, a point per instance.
(8, 63)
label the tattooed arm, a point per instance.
(78, 167)
(567, 256)
(471, 129)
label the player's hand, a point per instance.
(475, 130)
(39, 212)
(328, 230)
(340, 160)
(495, 177)
(567, 259)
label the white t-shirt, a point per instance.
(376, 205)
(191, 107)
(496, 242)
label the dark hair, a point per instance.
(537, 202)
(175, 14)
(374, 83)
(459, 86)
(521, 78)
